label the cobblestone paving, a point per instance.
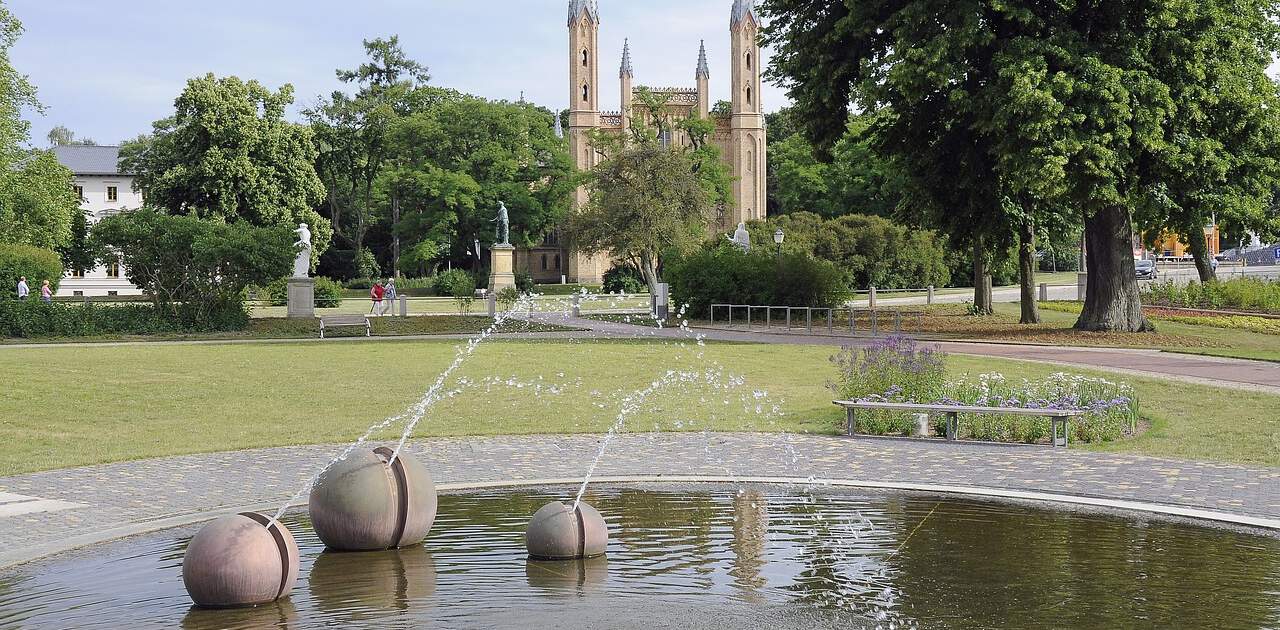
(132, 493)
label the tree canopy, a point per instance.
(228, 154)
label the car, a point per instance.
(1146, 269)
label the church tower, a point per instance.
(747, 132)
(584, 115)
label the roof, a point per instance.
(576, 7)
(89, 160)
(704, 71)
(742, 9)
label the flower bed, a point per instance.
(897, 370)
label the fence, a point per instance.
(834, 321)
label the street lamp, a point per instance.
(778, 237)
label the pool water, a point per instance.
(709, 556)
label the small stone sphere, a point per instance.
(363, 504)
(556, 533)
(241, 560)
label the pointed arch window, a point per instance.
(748, 95)
(748, 61)
(586, 93)
(585, 57)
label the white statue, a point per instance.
(741, 237)
(302, 265)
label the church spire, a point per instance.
(742, 9)
(576, 7)
(704, 71)
(625, 72)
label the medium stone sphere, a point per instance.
(242, 560)
(557, 533)
(363, 504)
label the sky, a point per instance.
(107, 69)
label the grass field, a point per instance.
(65, 407)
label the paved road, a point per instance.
(122, 499)
(1179, 274)
(1234, 373)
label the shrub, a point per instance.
(524, 282)
(328, 293)
(367, 264)
(35, 319)
(723, 274)
(890, 370)
(36, 264)
(507, 297)
(1243, 294)
(868, 250)
(624, 279)
(455, 283)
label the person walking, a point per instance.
(23, 290)
(376, 294)
(389, 293)
(46, 294)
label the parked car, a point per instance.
(1147, 270)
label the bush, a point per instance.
(1242, 294)
(524, 282)
(328, 293)
(37, 265)
(35, 319)
(624, 279)
(367, 264)
(507, 297)
(724, 274)
(456, 283)
(869, 250)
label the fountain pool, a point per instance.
(708, 556)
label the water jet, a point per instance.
(559, 532)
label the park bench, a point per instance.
(1059, 418)
(345, 321)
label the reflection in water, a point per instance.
(278, 614)
(569, 577)
(353, 584)
(702, 556)
(750, 540)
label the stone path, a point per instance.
(119, 499)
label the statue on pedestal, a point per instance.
(302, 264)
(741, 238)
(504, 225)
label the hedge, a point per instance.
(36, 319)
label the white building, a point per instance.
(103, 191)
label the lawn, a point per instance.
(65, 407)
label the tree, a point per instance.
(77, 255)
(37, 203)
(36, 198)
(451, 164)
(856, 180)
(61, 136)
(227, 154)
(646, 201)
(194, 270)
(351, 132)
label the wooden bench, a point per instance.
(345, 321)
(1059, 418)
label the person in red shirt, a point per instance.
(376, 294)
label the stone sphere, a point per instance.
(242, 560)
(363, 504)
(557, 533)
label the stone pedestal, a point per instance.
(302, 298)
(502, 267)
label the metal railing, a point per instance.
(811, 320)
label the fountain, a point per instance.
(240, 560)
(558, 532)
(367, 502)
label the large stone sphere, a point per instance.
(363, 504)
(556, 532)
(242, 560)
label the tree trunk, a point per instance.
(1199, 246)
(1111, 301)
(395, 237)
(981, 278)
(1027, 273)
(649, 270)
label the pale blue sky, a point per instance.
(108, 68)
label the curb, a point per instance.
(14, 558)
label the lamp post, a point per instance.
(778, 237)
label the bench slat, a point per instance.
(1048, 413)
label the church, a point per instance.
(740, 129)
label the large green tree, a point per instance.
(647, 201)
(228, 154)
(451, 163)
(37, 204)
(352, 133)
